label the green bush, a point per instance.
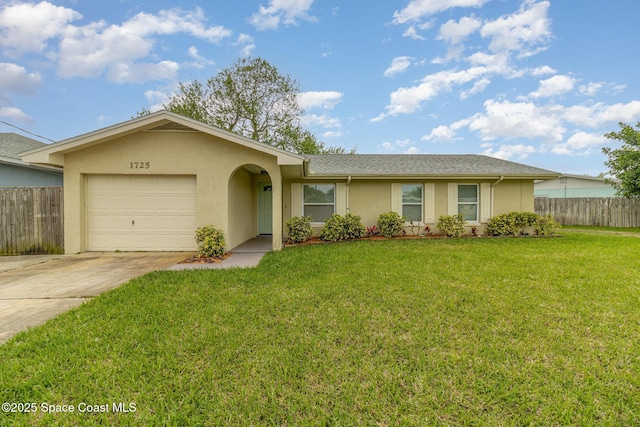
(338, 227)
(451, 225)
(299, 229)
(210, 241)
(513, 223)
(504, 225)
(545, 225)
(391, 224)
(353, 227)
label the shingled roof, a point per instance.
(12, 144)
(419, 164)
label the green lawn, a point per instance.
(535, 331)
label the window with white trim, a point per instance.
(468, 201)
(318, 201)
(412, 197)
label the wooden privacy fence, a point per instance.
(596, 211)
(31, 220)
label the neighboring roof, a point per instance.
(325, 165)
(53, 154)
(587, 177)
(12, 144)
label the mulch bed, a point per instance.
(194, 259)
(316, 240)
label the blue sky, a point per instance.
(532, 81)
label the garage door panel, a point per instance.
(141, 212)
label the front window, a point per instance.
(318, 201)
(468, 201)
(412, 202)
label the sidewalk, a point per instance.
(246, 255)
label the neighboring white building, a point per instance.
(574, 186)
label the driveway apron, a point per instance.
(33, 290)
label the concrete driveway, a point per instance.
(36, 288)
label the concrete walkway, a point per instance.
(246, 255)
(34, 289)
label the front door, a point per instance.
(265, 208)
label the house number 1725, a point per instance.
(139, 165)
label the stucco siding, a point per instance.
(213, 161)
(369, 200)
(513, 196)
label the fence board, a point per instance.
(31, 220)
(595, 211)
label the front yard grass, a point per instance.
(509, 331)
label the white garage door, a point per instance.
(141, 213)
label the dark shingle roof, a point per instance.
(418, 164)
(12, 144)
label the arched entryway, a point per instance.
(250, 204)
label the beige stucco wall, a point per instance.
(223, 199)
(513, 196)
(370, 198)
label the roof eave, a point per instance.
(53, 154)
(441, 177)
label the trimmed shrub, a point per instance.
(451, 225)
(513, 223)
(299, 229)
(338, 227)
(391, 224)
(353, 227)
(210, 242)
(333, 228)
(504, 225)
(545, 225)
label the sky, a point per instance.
(532, 81)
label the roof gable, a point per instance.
(53, 154)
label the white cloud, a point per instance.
(598, 114)
(398, 65)
(418, 9)
(518, 120)
(478, 87)
(441, 134)
(317, 99)
(507, 152)
(323, 121)
(541, 71)
(591, 88)
(138, 73)
(404, 146)
(407, 100)
(122, 52)
(387, 146)
(525, 28)
(246, 43)
(580, 144)
(199, 61)
(455, 32)
(26, 27)
(16, 79)
(553, 86)
(16, 114)
(157, 98)
(412, 33)
(333, 134)
(278, 12)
